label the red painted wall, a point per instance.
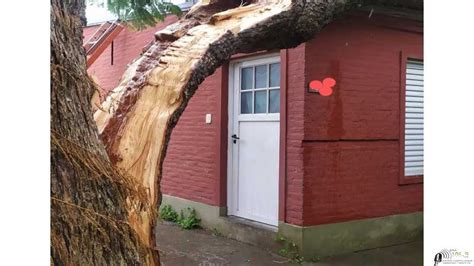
(190, 167)
(351, 139)
(342, 160)
(294, 135)
(191, 162)
(127, 46)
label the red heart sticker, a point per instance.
(324, 88)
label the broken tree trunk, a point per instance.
(91, 201)
(136, 120)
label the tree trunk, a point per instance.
(136, 120)
(90, 201)
(104, 200)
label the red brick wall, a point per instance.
(294, 135)
(190, 165)
(342, 160)
(127, 46)
(351, 139)
(189, 170)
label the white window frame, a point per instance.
(412, 126)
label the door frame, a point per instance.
(231, 109)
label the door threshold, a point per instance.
(252, 223)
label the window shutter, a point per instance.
(414, 118)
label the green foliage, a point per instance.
(297, 259)
(168, 214)
(188, 220)
(289, 250)
(139, 14)
(280, 239)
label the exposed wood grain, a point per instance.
(138, 117)
(91, 201)
(104, 194)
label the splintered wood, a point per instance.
(136, 119)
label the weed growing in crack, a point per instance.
(168, 214)
(289, 250)
(187, 219)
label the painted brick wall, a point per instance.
(294, 138)
(190, 166)
(127, 46)
(342, 151)
(189, 170)
(351, 139)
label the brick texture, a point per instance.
(190, 165)
(127, 46)
(295, 131)
(351, 139)
(189, 170)
(342, 160)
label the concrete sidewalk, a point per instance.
(201, 247)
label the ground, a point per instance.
(201, 247)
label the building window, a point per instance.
(413, 146)
(260, 89)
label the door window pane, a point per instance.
(246, 102)
(274, 101)
(261, 101)
(261, 76)
(247, 78)
(275, 75)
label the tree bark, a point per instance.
(91, 201)
(136, 120)
(104, 199)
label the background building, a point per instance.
(334, 174)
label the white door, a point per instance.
(254, 139)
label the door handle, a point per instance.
(234, 138)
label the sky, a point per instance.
(96, 14)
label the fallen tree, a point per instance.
(91, 200)
(138, 117)
(136, 120)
